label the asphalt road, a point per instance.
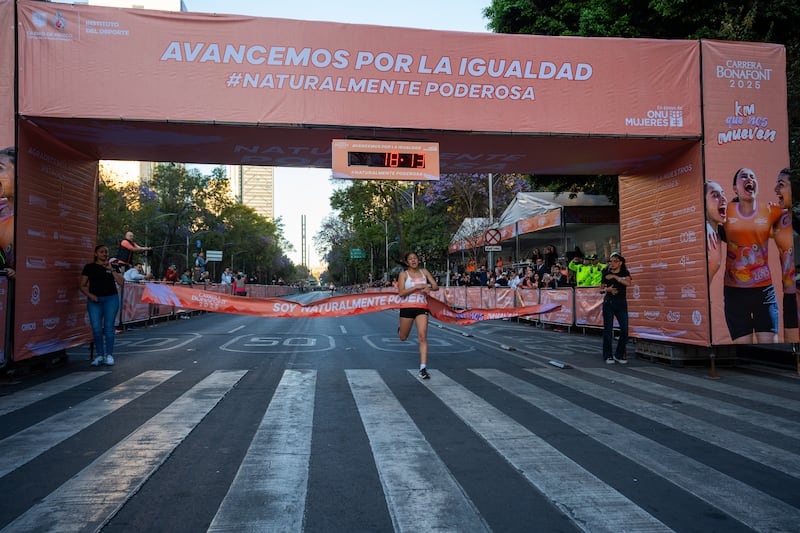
(236, 423)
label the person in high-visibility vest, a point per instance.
(582, 268)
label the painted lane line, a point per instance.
(269, 490)
(755, 450)
(732, 390)
(756, 418)
(31, 442)
(29, 396)
(415, 480)
(586, 500)
(91, 498)
(762, 512)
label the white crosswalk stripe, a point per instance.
(268, 487)
(90, 498)
(745, 446)
(37, 393)
(574, 490)
(25, 445)
(772, 423)
(413, 477)
(720, 490)
(268, 493)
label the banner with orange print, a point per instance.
(546, 220)
(661, 231)
(345, 305)
(6, 73)
(278, 71)
(746, 128)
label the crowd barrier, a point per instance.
(580, 306)
(133, 310)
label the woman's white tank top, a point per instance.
(415, 282)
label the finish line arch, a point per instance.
(97, 83)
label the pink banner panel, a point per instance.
(57, 214)
(7, 103)
(277, 71)
(744, 90)
(589, 307)
(661, 230)
(566, 313)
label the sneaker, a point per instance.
(423, 374)
(609, 361)
(620, 360)
(99, 360)
(109, 360)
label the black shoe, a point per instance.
(423, 374)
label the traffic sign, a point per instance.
(213, 255)
(357, 253)
(493, 248)
(492, 237)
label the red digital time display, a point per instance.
(386, 159)
(380, 159)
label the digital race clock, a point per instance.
(385, 160)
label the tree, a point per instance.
(181, 207)
(735, 20)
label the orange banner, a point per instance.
(550, 219)
(7, 103)
(744, 90)
(276, 71)
(661, 230)
(346, 305)
(58, 222)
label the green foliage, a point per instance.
(181, 207)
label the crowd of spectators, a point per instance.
(542, 269)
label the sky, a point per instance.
(304, 191)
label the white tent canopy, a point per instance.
(530, 204)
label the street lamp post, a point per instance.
(386, 239)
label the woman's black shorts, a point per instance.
(412, 312)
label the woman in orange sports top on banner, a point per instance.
(415, 279)
(751, 305)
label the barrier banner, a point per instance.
(346, 305)
(561, 300)
(6, 73)
(589, 308)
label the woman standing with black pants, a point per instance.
(616, 280)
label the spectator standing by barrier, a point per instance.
(616, 280)
(240, 285)
(172, 275)
(99, 284)
(596, 271)
(136, 274)
(227, 276)
(127, 247)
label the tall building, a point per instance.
(254, 187)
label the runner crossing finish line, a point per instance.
(345, 305)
